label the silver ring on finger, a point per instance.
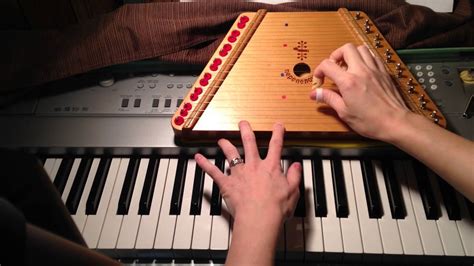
(235, 161)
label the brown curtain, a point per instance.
(190, 32)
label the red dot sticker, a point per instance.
(179, 120)
(207, 76)
(223, 53)
(283, 97)
(232, 39)
(285, 45)
(213, 67)
(217, 61)
(183, 112)
(244, 19)
(188, 106)
(198, 90)
(227, 47)
(193, 96)
(235, 33)
(240, 25)
(203, 82)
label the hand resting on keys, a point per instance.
(368, 101)
(258, 194)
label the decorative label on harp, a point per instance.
(302, 50)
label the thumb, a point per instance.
(328, 97)
(294, 175)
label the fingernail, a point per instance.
(319, 95)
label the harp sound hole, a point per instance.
(301, 70)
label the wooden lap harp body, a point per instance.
(262, 73)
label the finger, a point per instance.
(293, 175)
(380, 64)
(210, 169)
(249, 141)
(367, 56)
(229, 150)
(276, 144)
(328, 68)
(329, 97)
(347, 53)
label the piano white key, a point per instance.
(113, 221)
(332, 236)
(55, 169)
(94, 223)
(351, 237)
(131, 221)
(220, 229)
(312, 225)
(201, 241)
(448, 229)
(294, 231)
(185, 221)
(70, 179)
(80, 216)
(427, 228)
(409, 235)
(167, 222)
(389, 233)
(48, 166)
(369, 228)
(148, 223)
(465, 226)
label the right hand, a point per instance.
(366, 99)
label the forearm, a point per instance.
(253, 242)
(450, 156)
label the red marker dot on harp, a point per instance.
(232, 39)
(285, 45)
(198, 90)
(283, 97)
(244, 19)
(188, 106)
(183, 112)
(179, 120)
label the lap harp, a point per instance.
(262, 73)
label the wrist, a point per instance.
(403, 128)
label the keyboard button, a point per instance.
(98, 185)
(220, 229)
(319, 191)
(80, 179)
(426, 191)
(167, 103)
(216, 199)
(155, 103)
(397, 206)
(128, 186)
(70, 179)
(149, 186)
(465, 226)
(371, 190)
(339, 189)
(48, 166)
(198, 187)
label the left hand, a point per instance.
(257, 188)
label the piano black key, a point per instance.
(470, 207)
(216, 198)
(63, 173)
(340, 196)
(42, 159)
(178, 187)
(320, 206)
(80, 179)
(449, 199)
(198, 186)
(128, 185)
(98, 186)
(430, 205)
(397, 205)
(372, 195)
(300, 210)
(148, 186)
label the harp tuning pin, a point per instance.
(410, 82)
(399, 73)
(357, 15)
(421, 98)
(411, 89)
(433, 115)
(367, 28)
(436, 120)
(398, 66)
(423, 105)
(388, 57)
(366, 23)
(377, 44)
(377, 37)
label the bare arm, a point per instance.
(369, 103)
